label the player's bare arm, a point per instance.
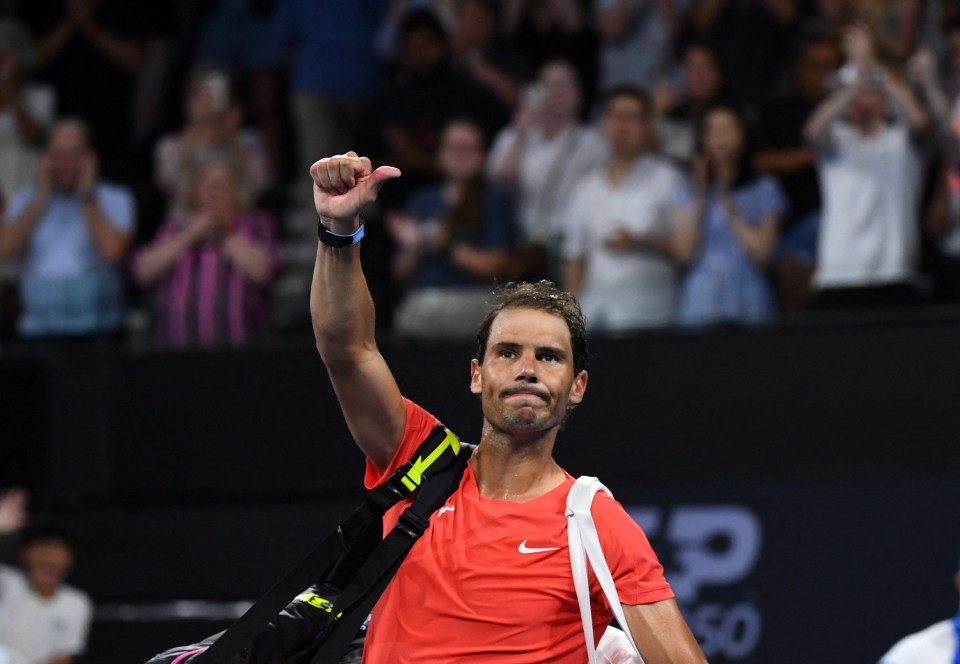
(661, 634)
(342, 310)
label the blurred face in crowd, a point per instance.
(69, 153)
(423, 51)
(216, 189)
(461, 153)
(723, 136)
(626, 124)
(48, 561)
(867, 110)
(476, 25)
(209, 97)
(562, 98)
(819, 61)
(703, 74)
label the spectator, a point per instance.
(894, 25)
(748, 37)
(727, 229)
(42, 619)
(213, 129)
(941, 217)
(543, 153)
(784, 153)
(937, 644)
(618, 258)
(335, 73)
(238, 37)
(91, 51)
(73, 228)
(26, 112)
(682, 101)
(213, 263)
(26, 109)
(486, 59)
(426, 93)
(549, 30)
(636, 40)
(455, 239)
(870, 175)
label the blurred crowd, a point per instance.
(672, 162)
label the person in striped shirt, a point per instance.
(213, 264)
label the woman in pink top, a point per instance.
(213, 263)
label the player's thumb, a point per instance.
(380, 176)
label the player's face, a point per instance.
(527, 382)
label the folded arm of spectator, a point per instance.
(252, 259)
(156, 259)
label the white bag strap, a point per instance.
(584, 543)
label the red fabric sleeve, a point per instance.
(634, 565)
(419, 425)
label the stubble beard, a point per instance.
(526, 422)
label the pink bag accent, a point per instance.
(186, 655)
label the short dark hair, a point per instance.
(631, 91)
(422, 19)
(48, 531)
(544, 296)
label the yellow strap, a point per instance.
(415, 475)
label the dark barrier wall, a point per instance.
(800, 485)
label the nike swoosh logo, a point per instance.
(523, 548)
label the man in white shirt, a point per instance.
(937, 644)
(870, 175)
(42, 619)
(620, 225)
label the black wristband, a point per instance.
(337, 240)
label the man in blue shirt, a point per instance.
(72, 229)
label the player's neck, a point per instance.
(518, 471)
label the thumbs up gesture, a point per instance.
(343, 185)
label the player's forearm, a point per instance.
(340, 304)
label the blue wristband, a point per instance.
(337, 240)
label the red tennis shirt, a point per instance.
(490, 580)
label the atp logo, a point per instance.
(709, 547)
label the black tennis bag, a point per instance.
(349, 570)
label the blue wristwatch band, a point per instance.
(336, 239)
